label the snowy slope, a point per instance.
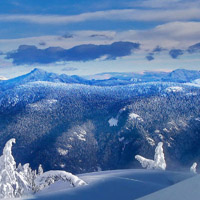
(115, 185)
(185, 190)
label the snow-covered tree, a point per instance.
(158, 162)
(12, 184)
(40, 170)
(193, 168)
(48, 178)
(28, 174)
(17, 181)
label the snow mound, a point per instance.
(158, 162)
(184, 190)
(115, 185)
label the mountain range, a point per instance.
(113, 78)
(79, 125)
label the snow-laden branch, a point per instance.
(48, 178)
(158, 162)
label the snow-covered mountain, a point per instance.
(82, 128)
(177, 76)
(114, 79)
(40, 75)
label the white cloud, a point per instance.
(156, 3)
(168, 35)
(80, 37)
(164, 4)
(123, 14)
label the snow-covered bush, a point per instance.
(17, 181)
(48, 178)
(158, 162)
(28, 174)
(193, 168)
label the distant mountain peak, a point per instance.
(184, 70)
(38, 74)
(38, 71)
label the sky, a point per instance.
(88, 37)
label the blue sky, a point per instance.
(87, 37)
